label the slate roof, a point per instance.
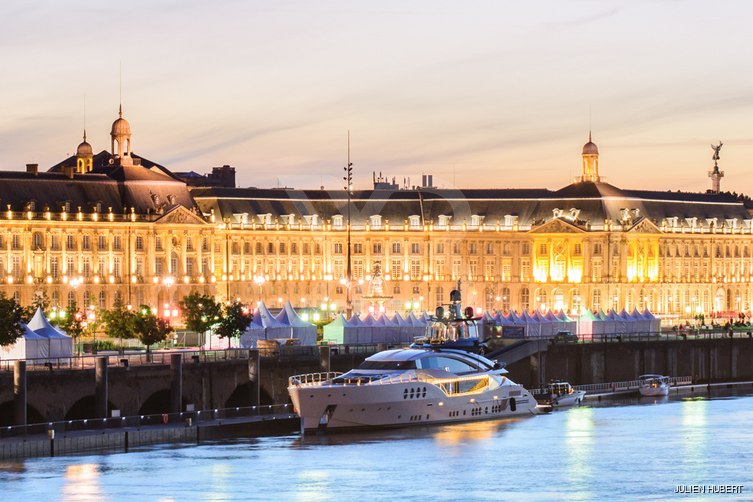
(148, 188)
(595, 202)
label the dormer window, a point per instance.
(375, 220)
(414, 221)
(337, 221)
(557, 212)
(444, 220)
(476, 220)
(510, 220)
(265, 219)
(311, 219)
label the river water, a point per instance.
(632, 449)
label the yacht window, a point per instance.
(447, 364)
(387, 365)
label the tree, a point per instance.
(40, 299)
(201, 312)
(10, 320)
(72, 321)
(149, 328)
(235, 320)
(120, 322)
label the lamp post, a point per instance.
(259, 281)
(348, 178)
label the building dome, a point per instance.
(590, 148)
(84, 148)
(121, 127)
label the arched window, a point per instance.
(525, 299)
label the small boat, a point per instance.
(441, 379)
(653, 385)
(562, 394)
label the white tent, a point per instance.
(418, 326)
(642, 325)
(566, 323)
(385, 330)
(533, 326)
(340, 331)
(304, 331)
(654, 322)
(610, 327)
(589, 325)
(59, 344)
(264, 327)
(28, 346)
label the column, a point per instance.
(19, 393)
(254, 379)
(176, 383)
(100, 378)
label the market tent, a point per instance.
(642, 325)
(418, 326)
(364, 334)
(566, 323)
(385, 330)
(28, 346)
(654, 322)
(302, 330)
(547, 327)
(340, 331)
(59, 344)
(589, 325)
(533, 326)
(263, 327)
(610, 326)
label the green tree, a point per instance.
(149, 328)
(10, 320)
(120, 322)
(72, 321)
(235, 319)
(201, 312)
(40, 299)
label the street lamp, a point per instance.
(259, 281)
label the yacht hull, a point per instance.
(347, 407)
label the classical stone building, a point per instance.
(95, 228)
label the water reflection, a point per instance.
(82, 483)
(443, 434)
(579, 446)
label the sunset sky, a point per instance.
(477, 93)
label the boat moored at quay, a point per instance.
(440, 379)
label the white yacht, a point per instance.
(409, 387)
(653, 385)
(562, 394)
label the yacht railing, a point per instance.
(312, 379)
(630, 385)
(450, 386)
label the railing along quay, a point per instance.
(616, 387)
(162, 419)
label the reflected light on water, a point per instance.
(221, 475)
(694, 413)
(456, 434)
(579, 446)
(314, 485)
(82, 483)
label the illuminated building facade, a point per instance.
(98, 227)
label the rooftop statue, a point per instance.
(716, 149)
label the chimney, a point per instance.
(68, 171)
(32, 168)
